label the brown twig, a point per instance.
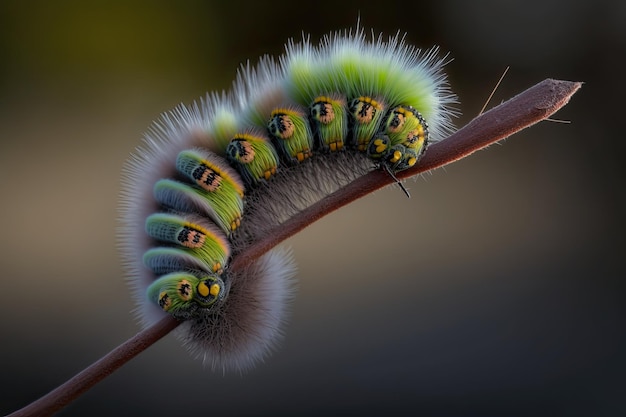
(73, 388)
(533, 105)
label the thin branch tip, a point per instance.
(562, 92)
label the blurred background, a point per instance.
(504, 295)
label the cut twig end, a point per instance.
(561, 90)
(524, 110)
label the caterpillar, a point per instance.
(214, 176)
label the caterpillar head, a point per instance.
(401, 139)
(183, 294)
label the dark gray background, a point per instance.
(503, 296)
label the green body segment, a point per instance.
(222, 190)
(225, 209)
(181, 293)
(207, 174)
(366, 114)
(254, 156)
(329, 117)
(190, 239)
(292, 134)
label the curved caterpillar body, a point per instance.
(215, 176)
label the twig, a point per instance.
(72, 389)
(533, 105)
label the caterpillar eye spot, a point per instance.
(396, 123)
(282, 126)
(184, 290)
(412, 138)
(164, 301)
(203, 289)
(380, 146)
(364, 112)
(191, 238)
(207, 178)
(323, 112)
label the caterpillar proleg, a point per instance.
(213, 177)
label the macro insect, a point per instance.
(215, 176)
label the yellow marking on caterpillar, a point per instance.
(337, 145)
(323, 99)
(380, 145)
(285, 111)
(196, 227)
(301, 156)
(215, 290)
(404, 111)
(235, 223)
(203, 289)
(371, 101)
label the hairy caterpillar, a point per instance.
(213, 177)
